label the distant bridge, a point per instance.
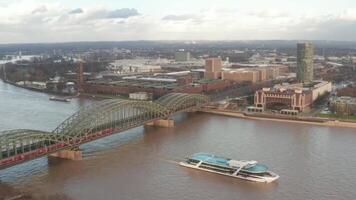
(91, 123)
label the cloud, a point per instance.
(179, 17)
(269, 13)
(122, 13)
(76, 11)
(325, 28)
(55, 22)
(40, 9)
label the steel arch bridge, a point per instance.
(91, 123)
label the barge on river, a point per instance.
(62, 99)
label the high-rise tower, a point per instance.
(305, 67)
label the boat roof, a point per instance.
(210, 158)
(224, 162)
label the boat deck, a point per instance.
(224, 162)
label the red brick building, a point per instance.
(213, 68)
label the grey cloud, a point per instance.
(179, 17)
(268, 14)
(92, 16)
(76, 11)
(123, 13)
(40, 9)
(327, 29)
(49, 23)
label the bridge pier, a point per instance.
(75, 154)
(165, 123)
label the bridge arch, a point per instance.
(116, 114)
(181, 102)
(23, 140)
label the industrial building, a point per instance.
(135, 66)
(255, 74)
(212, 78)
(158, 84)
(125, 87)
(182, 56)
(252, 73)
(157, 88)
(241, 75)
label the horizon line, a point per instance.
(178, 40)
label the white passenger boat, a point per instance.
(243, 169)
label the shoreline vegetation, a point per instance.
(338, 117)
(301, 120)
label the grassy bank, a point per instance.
(339, 117)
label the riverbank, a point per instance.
(46, 91)
(82, 95)
(288, 119)
(102, 96)
(23, 86)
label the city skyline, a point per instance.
(68, 21)
(161, 99)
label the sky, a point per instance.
(34, 21)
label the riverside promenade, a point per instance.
(283, 118)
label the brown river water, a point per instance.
(314, 162)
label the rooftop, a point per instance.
(221, 161)
(136, 83)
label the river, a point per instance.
(314, 162)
